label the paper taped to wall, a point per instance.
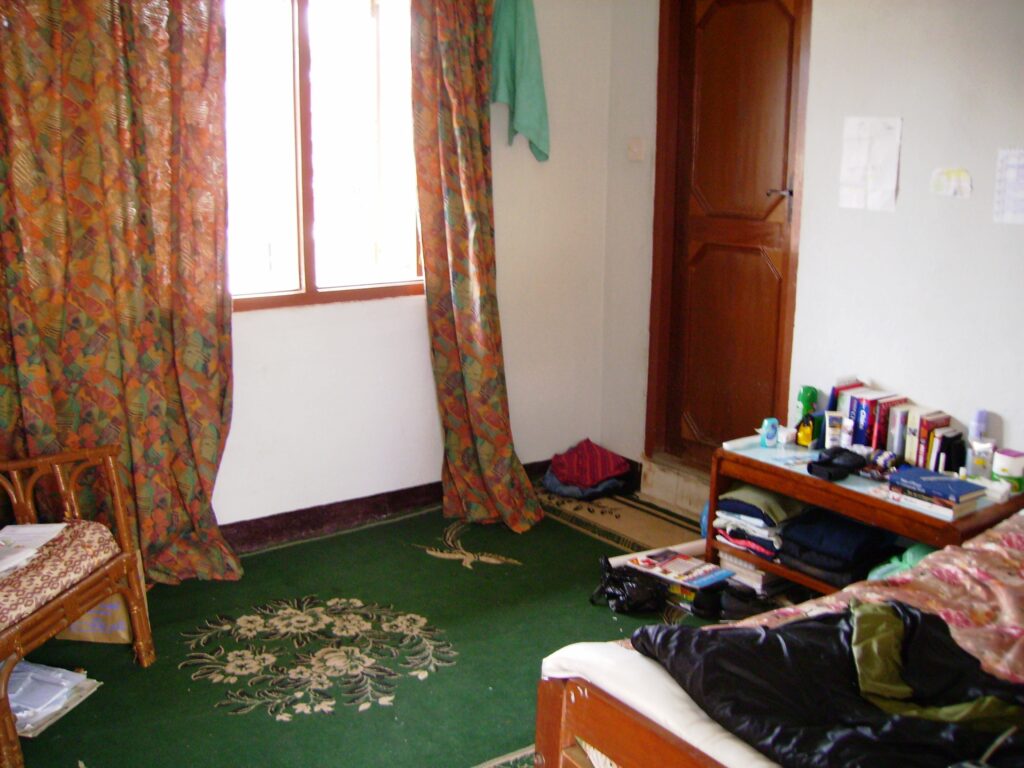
(1009, 199)
(951, 182)
(869, 172)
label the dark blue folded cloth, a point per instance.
(848, 542)
(604, 488)
(737, 507)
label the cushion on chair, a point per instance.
(62, 562)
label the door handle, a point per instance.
(783, 192)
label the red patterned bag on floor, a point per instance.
(586, 464)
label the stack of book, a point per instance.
(749, 575)
(693, 585)
(934, 493)
(674, 567)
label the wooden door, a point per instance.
(732, 75)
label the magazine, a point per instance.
(671, 565)
(18, 543)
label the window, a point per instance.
(321, 175)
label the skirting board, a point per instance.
(312, 523)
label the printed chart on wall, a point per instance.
(1009, 198)
(870, 166)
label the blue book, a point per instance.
(935, 485)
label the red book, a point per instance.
(880, 432)
(929, 421)
(833, 398)
(863, 408)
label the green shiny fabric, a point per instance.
(877, 652)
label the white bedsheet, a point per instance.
(644, 685)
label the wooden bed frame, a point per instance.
(572, 708)
(119, 575)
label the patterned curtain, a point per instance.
(116, 321)
(451, 50)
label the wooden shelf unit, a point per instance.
(733, 466)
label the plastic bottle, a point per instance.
(980, 449)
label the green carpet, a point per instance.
(468, 624)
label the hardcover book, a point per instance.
(864, 418)
(929, 422)
(932, 508)
(897, 440)
(914, 415)
(883, 412)
(935, 484)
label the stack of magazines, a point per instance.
(673, 566)
(40, 695)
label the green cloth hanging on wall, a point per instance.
(516, 76)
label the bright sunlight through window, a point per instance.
(354, 137)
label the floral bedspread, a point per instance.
(978, 589)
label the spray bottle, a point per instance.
(807, 398)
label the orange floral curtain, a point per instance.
(451, 50)
(116, 320)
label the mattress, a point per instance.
(644, 686)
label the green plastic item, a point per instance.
(900, 563)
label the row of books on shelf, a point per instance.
(921, 436)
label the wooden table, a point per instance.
(784, 471)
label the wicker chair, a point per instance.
(71, 574)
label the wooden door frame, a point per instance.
(674, 141)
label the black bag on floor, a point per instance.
(627, 591)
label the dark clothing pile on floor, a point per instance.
(586, 471)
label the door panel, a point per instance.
(731, 327)
(741, 110)
(732, 85)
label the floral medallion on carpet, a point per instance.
(305, 655)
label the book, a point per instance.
(926, 507)
(929, 422)
(840, 387)
(896, 441)
(674, 567)
(952, 453)
(750, 575)
(938, 446)
(935, 485)
(883, 411)
(847, 401)
(865, 411)
(958, 509)
(914, 414)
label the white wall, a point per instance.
(331, 402)
(337, 402)
(629, 225)
(926, 300)
(549, 226)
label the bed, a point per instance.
(607, 704)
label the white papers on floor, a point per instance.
(41, 695)
(19, 542)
